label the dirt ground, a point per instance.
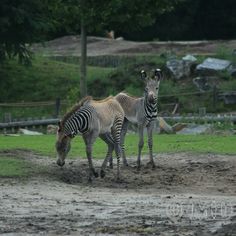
(98, 46)
(187, 194)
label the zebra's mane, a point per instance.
(132, 96)
(75, 108)
(103, 100)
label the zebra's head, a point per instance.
(152, 85)
(62, 145)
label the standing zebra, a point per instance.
(142, 111)
(92, 119)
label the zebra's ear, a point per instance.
(158, 74)
(143, 75)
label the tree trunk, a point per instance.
(83, 61)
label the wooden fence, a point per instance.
(12, 123)
(7, 117)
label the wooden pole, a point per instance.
(83, 61)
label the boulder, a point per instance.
(181, 68)
(212, 66)
(189, 58)
(29, 132)
(232, 70)
(205, 83)
(229, 97)
(196, 129)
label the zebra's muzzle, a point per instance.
(152, 99)
(60, 162)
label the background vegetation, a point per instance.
(23, 22)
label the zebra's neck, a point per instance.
(150, 109)
(78, 122)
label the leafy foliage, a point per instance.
(23, 22)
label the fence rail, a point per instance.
(207, 118)
(28, 123)
(31, 104)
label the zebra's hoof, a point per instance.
(90, 180)
(138, 167)
(125, 164)
(152, 164)
(95, 174)
(102, 173)
(118, 180)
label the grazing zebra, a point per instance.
(142, 111)
(92, 119)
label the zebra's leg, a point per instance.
(111, 162)
(118, 155)
(107, 138)
(115, 132)
(150, 128)
(122, 140)
(140, 145)
(89, 139)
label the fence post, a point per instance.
(7, 117)
(57, 107)
(214, 93)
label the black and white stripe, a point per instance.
(150, 109)
(79, 122)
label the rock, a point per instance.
(120, 39)
(29, 132)
(195, 129)
(189, 58)
(52, 129)
(229, 97)
(178, 68)
(212, 65)
(181, 68)
(232, 70)
(205, 83)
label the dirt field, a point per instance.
(185, 195)
(97, 46)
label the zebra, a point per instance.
(142, 111)
(91, 119)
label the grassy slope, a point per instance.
(44, 80)
(162, 143)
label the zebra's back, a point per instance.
(132, 106)
(108, 112)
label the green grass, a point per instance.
(44, 80)
(11, 167)
(162, 144)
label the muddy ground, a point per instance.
(187, 194)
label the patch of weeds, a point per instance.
(13, 167)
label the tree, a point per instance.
(23, 22)
(111, 14)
